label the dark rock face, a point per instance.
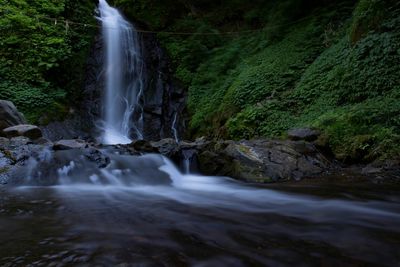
(305, 134)
(164, 99)
(73, 128)
(9, 115)
(31, 131)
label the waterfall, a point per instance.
(122, 118)
(188, 160)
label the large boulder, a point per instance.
(9, 115)
(31, 131)
(262, 160)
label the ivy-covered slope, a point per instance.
(333, 65)
(42, 58)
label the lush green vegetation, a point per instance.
(41, 59)
(333, 65)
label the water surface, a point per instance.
(200, 221)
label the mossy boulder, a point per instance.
(263, 160)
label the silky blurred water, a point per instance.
(198, 221)
(124, 78)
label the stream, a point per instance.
(197, 221)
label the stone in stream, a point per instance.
(9, 115)
(97, 157)
(144, 146)
(31, 131)
(70, 144)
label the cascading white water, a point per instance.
(124, 78)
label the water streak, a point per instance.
(175, 127)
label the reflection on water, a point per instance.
(196, 221)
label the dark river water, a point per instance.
(200, 221)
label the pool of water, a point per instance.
(200, 221)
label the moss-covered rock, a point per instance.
(262, 160)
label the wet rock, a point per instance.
(96, 156)
(69, 144)
(31, 131)
(18, 142)
(5, 160)
(262, 160)
(167, 147)
(305, 134)
(144, 146)
(42, 141)
(19, 156)
(73, 128)
(371, 170)
(9, 115)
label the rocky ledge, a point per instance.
(303, 155)
(257, 161)
(254, 161)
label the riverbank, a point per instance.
(257, 161)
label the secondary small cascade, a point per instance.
(122, 118)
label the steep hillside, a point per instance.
(330, 65)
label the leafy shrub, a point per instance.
(32, 101)
(41, 60)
